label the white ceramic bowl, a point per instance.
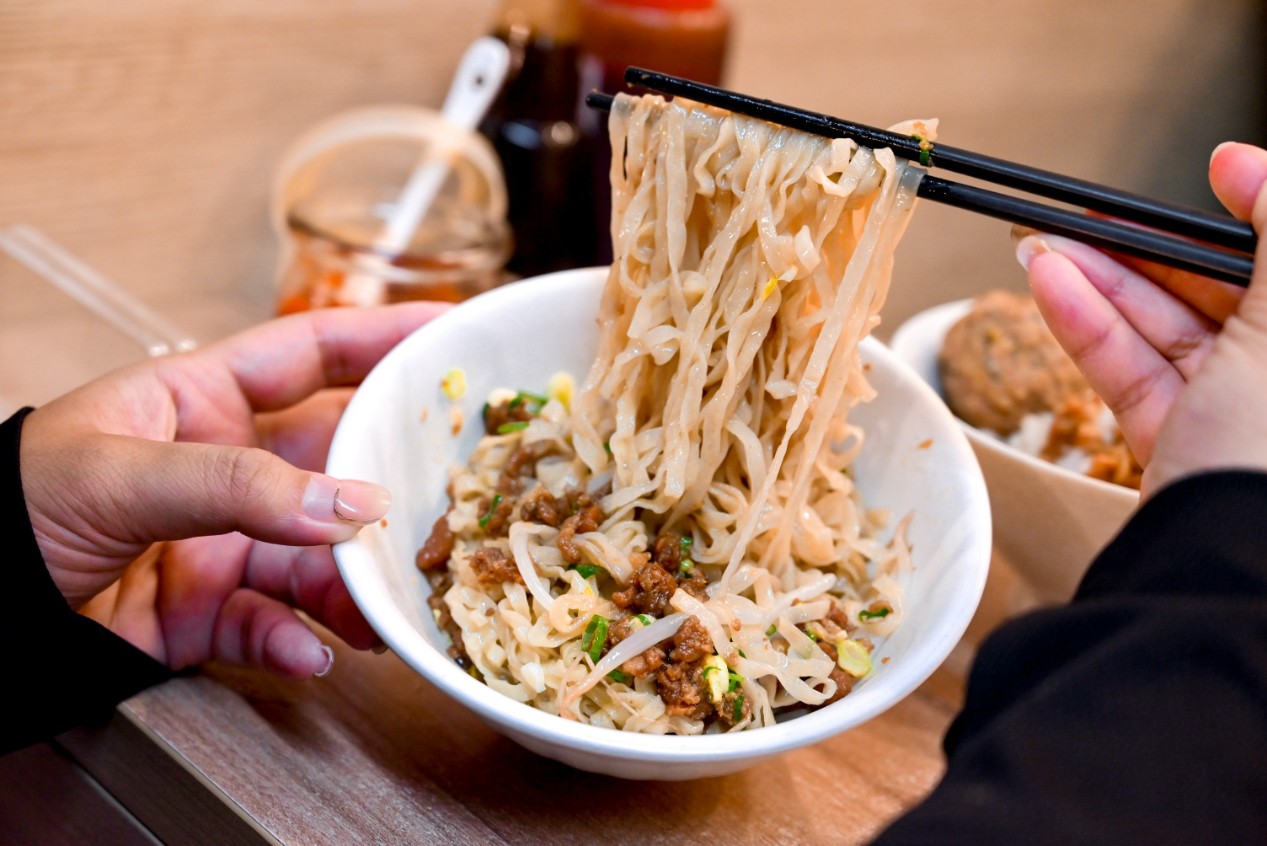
(1049, 522)
(396, 431)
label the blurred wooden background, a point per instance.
(142, 134)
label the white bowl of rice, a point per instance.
(1049, 520)
(418, 416)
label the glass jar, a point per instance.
(338, 188)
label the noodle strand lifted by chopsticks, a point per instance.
(698, 320)
(682, 545)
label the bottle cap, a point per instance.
(667, 4)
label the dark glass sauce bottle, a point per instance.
(533, 126)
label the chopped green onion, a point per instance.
(925, 150)
(735, 681)
(715, 677)
(811, 636)
(770, 632)
(741, 655)
(685, 565)
(646, 619)
(497, 500)
(524, 396)
(513, 426)
(736, 713)
(619, 677)
(853, 658)
(607, 447)
(595, 637)
(880, 614)
(586, 570)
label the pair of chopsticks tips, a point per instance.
(1208, 244)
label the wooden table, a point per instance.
(374, 754)
(143, 137)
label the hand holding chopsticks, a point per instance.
(1212, 245)
(1188, 393)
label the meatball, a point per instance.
(1001, 362)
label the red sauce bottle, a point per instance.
(686, 38)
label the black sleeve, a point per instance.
(1137, 713)
(63, 669)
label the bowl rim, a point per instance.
(906, 340)
(866, 701)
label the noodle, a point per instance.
(680, 546)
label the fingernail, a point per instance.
(325, 671)
(1020, 232)
(1216, 150)
(1028, 247)
(346, 500)
(361, 502)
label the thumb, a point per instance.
(1238, 176)
(180, 490)
(1254, 305)
(97, 501)
(1216, 422)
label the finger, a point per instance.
(1211, 298)
(207, 615)
(1218, 422)
(280, 362)
(1237, 175)
(200, 574)
(256, 631)
(1251, 316)
(210, 395)
(302, 433)
(127, 607)
(1136, 381)
(1179, 332)
(174, 491)
(203, 574)
(308, 579)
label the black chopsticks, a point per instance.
(1213, 245)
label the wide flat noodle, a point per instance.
(751, 260)
(714, 297)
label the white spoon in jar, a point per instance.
(476, 82)
(478, 79)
